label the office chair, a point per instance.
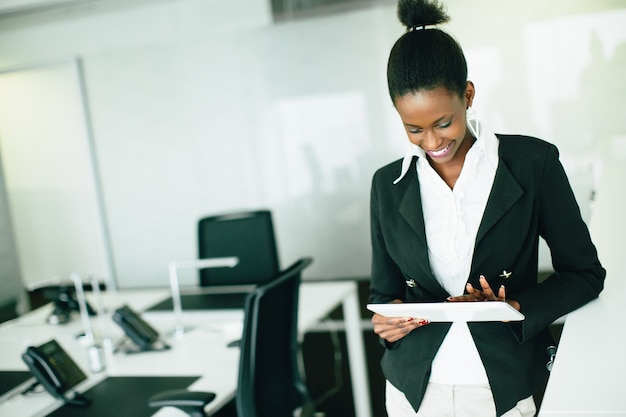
(249, 236)
(269, 381)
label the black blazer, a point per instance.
(530, 197)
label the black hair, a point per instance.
(425, 58)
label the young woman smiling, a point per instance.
(458, 219)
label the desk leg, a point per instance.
(356, 353)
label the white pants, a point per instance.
(442, 400)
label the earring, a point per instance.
(472, 121)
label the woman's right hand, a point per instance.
(393, 329)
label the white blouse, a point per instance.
(452, 218)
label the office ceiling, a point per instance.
(282, 9)
(295, 9)
(9, 7)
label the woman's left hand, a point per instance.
(485, 293)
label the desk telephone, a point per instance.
(138, 330)
(55, 370)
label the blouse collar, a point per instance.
(484, 139)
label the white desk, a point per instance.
(586, 379)
(201, 351)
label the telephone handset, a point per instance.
(55, 370)
(138, 330)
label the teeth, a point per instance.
(441, 152)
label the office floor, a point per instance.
(332, 389)
(326, 365)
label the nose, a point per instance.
(430, 141)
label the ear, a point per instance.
(469, 94)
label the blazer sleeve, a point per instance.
(578, 275)
(386, 281)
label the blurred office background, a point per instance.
(123, 122)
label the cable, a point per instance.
(30, 388)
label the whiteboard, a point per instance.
(49, 174)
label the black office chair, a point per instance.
(269, 382)
(248, 235)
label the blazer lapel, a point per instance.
(411, 210)
(507, 190)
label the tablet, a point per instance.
(451, 311)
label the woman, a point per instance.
(459, 219)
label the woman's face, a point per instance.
(435, 121)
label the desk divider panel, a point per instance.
(11, 379)
(216, 301)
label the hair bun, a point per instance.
(414, 13)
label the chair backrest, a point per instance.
(270, 383)
(248, 235)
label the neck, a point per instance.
(451, 171)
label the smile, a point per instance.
(441, 152)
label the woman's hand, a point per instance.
(485, 293)
(393, 329)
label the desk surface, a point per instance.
(202, 350)
(585, 379)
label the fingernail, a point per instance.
(423, 322)
(410, 319)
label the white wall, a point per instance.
(48, 174)
(201, 107)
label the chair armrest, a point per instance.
(191, 402)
